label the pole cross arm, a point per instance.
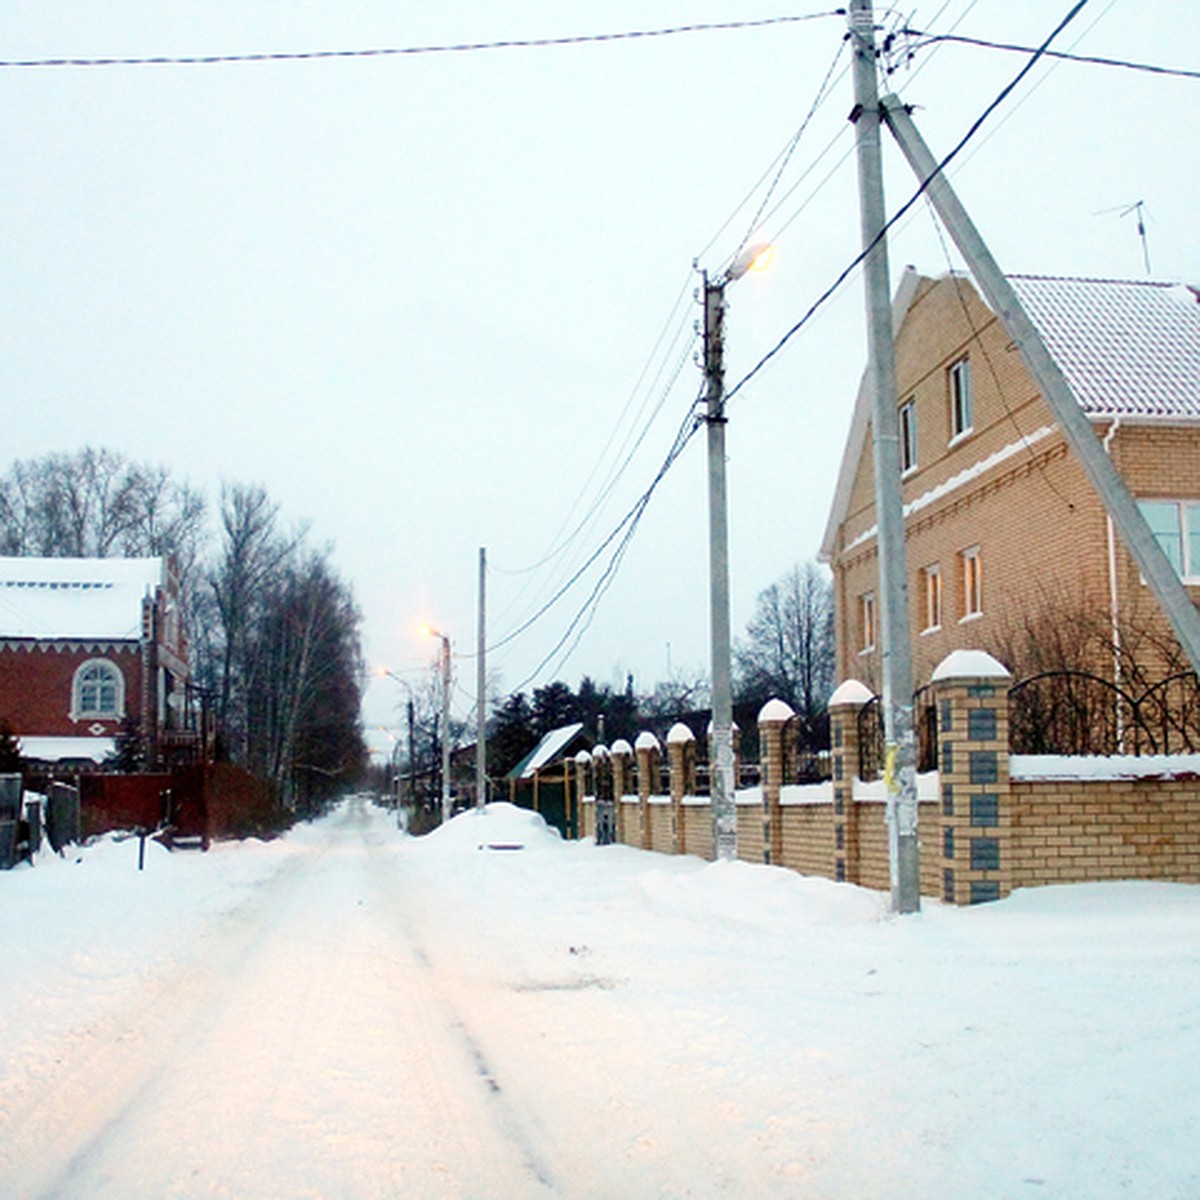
(1162, 578)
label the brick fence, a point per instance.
(989, 821)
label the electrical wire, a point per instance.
(974, 128)
(822, 93)
(681, 438)
(929, 39)
(205, 60)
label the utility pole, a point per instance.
(481, 689)
(1089, 452)
(900, 771)
(724, 810)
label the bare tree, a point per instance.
(96, 503)
(788, 651)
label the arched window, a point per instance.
(98, 691)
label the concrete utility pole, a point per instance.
(721, 785)
(481, 689)
(1168, 589)
(901, 761)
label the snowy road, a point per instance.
(307, 1048)
(490, 1014)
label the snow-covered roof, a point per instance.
(94, 598)
(1127, 348)
(55, 749)
(549, 748)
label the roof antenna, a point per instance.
(1138, 207)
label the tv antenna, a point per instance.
(1138, 208)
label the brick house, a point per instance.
(1008, 546)
(86, 644)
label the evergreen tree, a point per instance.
(10, 750)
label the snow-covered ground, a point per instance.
(490, 1012)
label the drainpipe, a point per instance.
(1113, 600)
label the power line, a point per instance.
(929, 39)
(908, 204)
(205, 60)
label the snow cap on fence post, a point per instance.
(772, 717)
(845, 704)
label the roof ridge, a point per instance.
(1154, 283)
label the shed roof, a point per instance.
(56, 598)
(552, 745)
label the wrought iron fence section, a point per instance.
(1078, 713)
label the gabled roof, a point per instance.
(97, 599)
(1128, 349)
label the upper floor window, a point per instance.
(972, 582)
(867, 622)
(98, 691)
(961, 414)
(908, 436)
(931, 580)
(1176, 527)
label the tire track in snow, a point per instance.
(514, 1120)
(303, 1049)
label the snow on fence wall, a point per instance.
(989, 821)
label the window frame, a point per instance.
(962, 402)
(88, 693)
(1187, 530)
(868, 622)
(971, 576)
(906, 419)
(932, 598)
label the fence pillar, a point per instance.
(844, 706)
(648, 754)
(587, 809)
(971, 693)
(681, 757)
(622, 765)
(772, 718)
(606, 801)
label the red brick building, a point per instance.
(86, 644)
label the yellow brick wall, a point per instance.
(1071, 832)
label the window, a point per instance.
(931, 587)
(1176, 527)
(98, 691)
(908, 436)
(961, 417)
(866, 616)
(972, 583)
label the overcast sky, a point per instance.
(433, 302)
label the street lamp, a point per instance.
(722, 783)
(445, 661)
(412, 746)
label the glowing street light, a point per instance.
(429, 631)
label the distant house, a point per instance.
(1008, 547)
(90, 645)
(543, 779)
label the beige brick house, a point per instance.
(1009, 550)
